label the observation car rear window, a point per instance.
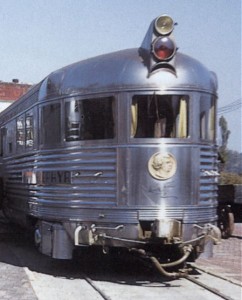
(159, 116)
(89, 119)
(207, 118)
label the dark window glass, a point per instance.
(158, 116)
(9, 138)
(51, 124)
(89, 119)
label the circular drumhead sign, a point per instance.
(162, 165)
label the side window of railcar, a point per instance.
(51, 124)
(3, 133)
(89, 119)
(207, 118)
(9, 138)
(158, 116)
(20, 136)
(25, 132)
(29, 131)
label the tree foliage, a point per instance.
(224, 131)
(224, 138)
(230, 178)
(231, 161)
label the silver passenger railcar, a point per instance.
(116, 151)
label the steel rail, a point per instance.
(235, 282)
(95, 287)
(208, 288)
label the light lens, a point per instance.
(164, 25)
(164, 48)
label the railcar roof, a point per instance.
(126, 70)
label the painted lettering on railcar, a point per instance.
(47, 177)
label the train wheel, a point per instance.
(226, 222)
(230, 228)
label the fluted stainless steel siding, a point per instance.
(93, 192)
(187, 214)
(208, 174)
(93, 180)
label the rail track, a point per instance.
(204, 284)
(223, 287)
(129, 281)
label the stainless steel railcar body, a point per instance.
(117, 150)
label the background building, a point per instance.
(11, 91)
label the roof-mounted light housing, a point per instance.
(163, 46)
(158, 48)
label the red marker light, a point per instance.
(164, 48)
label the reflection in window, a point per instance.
(207, 118)
(89, 119)
(29, 131)
(25, 132)
(157, 116)
(20, 133)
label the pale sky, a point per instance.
(40, 36)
